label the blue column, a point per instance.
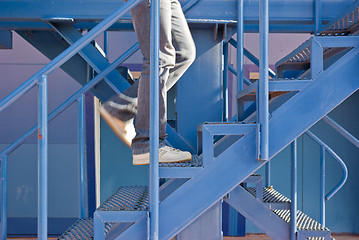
(318, 14)
(240, 45)
(263, 100)
(268, 177)
(42, 158)
(225, 81)
(82, 152)
(294, 195)
(154, 122)
(3, 198)
(322, 185)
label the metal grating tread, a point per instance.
(318, 238)
(305, 223)
(270, 195)
(127, 199)
(82, 230)
(195, 162)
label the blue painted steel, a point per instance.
(5, 39)
(268, 174)
(4, 172)
(263, 86)
(228, 129)
(343, 13)
(188, 5)
(341, 130)
(316, 53)
(207, 146)
(337, 41)
(17, 93)
(246, 81)
(318, 14)
(42, 159)
(294, 191)
(75, 96)
(258, 213)
(251, 57)
(322, 185)
(338, 159)
(179, 172)
(154, 121)
(288, 12)
(92, 56)
(240, 44)
(68, 53)
(82, 152)
(225, 81)
(337, 80)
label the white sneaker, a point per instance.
(124, 130)
(166, 155)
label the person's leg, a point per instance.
(141, 22)
(182, 42)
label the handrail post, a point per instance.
(240, 45)
(154, 122)
(268, 174)
(263, 100)
(42, 158)
(82, 151)
(3, 197)
(318, 15)
(225, 81)
(322, 185)
(294, 195)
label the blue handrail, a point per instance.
(68, 53)
(338, 159)
(74, 97)
(341, 130)
(324, 197)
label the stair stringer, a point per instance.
(327, 91)
(307, 107)
(235, 164)
(258, 213)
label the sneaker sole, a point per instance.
(113, 125)
(145, 162)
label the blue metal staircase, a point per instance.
(221, 166)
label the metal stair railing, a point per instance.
(325, 148)
(40, 79)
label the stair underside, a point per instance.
(346, 25)
(270, 195)
(304, 222)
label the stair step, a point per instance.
(270, 195)
(276, 88)
(82, 230)
(305, 223)
(127, 199)
(346, 23)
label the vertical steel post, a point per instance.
(240, 45)
(322, 185)
(3, 198)
(268, 177)
(105, 43)
(154, 121)
(42, 158)
(263, 100)
(225, 81)
(294, 196)
(82, 152)
(318, 14)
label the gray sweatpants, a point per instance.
(177, 53)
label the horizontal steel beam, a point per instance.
(292, 16)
